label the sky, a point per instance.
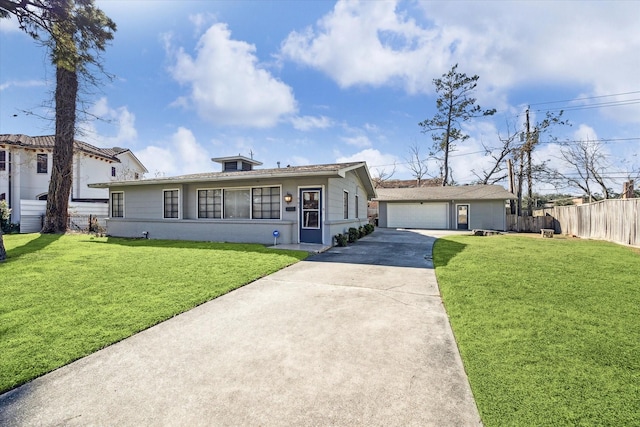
(313, 82)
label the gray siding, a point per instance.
(483, 214)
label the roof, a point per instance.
(463, 192)
(327, 170)
(47, 143)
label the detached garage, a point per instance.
(458, 207)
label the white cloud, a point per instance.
(227, 84)
(376, 161)
(182, 154)
(306, 123)
(21, 84)
(509, 44)
(9, 25)
(121, 117)
(357, 141)
(364, 43)
(585, 133)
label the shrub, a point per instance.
(353, 235)
(368, 228)
(5, 215)
(361, 232)
(341, 239)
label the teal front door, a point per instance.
(310, 215)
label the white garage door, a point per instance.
(415, 215)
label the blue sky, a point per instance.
(307, 82)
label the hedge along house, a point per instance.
(453, 207)
(301, 204)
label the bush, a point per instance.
(341, 239)
(5, 215)
(361, 232)
(354, 235)
(369, 228)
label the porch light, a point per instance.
(288, 198)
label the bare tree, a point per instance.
(75, 32)
(455, 105)
(417, 164)
(381, 175)
(587, 166)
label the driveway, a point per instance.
(353, 336)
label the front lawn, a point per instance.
(548, 329)
(63, 297)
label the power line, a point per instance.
(586, 98)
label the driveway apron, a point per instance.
(352, 336)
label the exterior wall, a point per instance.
(27, 184)
(143, 211)
(483, 214)
(221, 230)
(335, 223)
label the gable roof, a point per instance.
(47, 142)
(327, 170)
(463, 192)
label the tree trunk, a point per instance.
(3, 251)
(61, 174)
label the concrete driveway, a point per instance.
(355, 336)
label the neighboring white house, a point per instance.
(299, 204)
(26, 163)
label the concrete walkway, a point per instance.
(354, 336)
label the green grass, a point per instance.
(548, 329)
(63, 297)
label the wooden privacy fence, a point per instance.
(616, 220)
(529, 224)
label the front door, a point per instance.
(463, 217)
(311, 215)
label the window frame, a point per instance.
(113, 171)
(357, 202)
(177, 201)
(42, 167)
(271, 203)
(111, 204)
(3, 160)
(198, 212)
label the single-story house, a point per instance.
(299, 204)
(453, 207)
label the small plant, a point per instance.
(353, 235)
(369, 228)
(5, 215)
(361, 232)
(341, 239)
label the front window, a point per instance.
(357, 203)
(3, 160)
(266, 203)
(42, 163)
(171, 203)
(117, 205)
(113, 171)
(345, 204)
(210, 203)
(237, 203)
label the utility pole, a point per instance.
(529, 148)
(512, 186)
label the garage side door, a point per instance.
(415, 215)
